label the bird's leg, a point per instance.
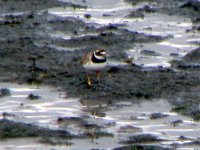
(97, 75)
(89, 80)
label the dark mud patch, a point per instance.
(143, 147)
(11, 129)
(140, 12)
(176, 123)
(65, 121)
(193, 56)
(139, 83)
(135, 140)
(188, 101)
(26, 5)
(142, 138)
(190, 61)
(91, 130)
(158, 115)
(178, 7)
(4, 92)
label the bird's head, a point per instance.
(100, 53)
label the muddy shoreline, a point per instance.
(24, 37)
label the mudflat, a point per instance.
(35, 32)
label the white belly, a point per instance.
(94, 67)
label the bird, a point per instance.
(94, 61)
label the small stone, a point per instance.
(87, 16)
(158, 116)
(176, 123)
(4, 92)
(33, 97)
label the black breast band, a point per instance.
(96, 60)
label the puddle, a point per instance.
(103, 13)
(179, 43)
(161, 127)
(43, 111)
(122, 119)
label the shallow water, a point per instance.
(120, 116)
(114, 11)
(54, 103)
(41, 111)
(179, 42)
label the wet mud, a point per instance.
(30, 54)
(11, 129)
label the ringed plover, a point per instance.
(94, 61)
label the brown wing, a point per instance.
(86, 58)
